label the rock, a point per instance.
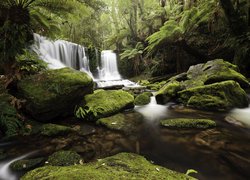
(218, 96)
(104, 103)
(26, 164)
(210, 86)
(54, 93)
(168, 92)
(64, 158)
(143, 99)
(3, 154)
(120, 166)
(54, 130)
(188, 123)
(121, 122)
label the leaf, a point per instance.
(189, 171)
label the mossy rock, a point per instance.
(54, 130)
(3, 154)
(143, 99)
(54, 93)
(64, 158)
(26, 164)
(218, 96)
(105, 103)
(122, 122)
(120, 166)
(188, 123)
(168, 92)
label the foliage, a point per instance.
(29, 63)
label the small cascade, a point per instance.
(153, 111)
(60, 53)
(108, 70)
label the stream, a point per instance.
(219, 153)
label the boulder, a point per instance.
(127, 123)
(55, 130)
(54, 93)
(217, 96)
(26, 164)
(64, 158)
(104, 103)
(143, 99)
(188, 123)
(214, 85)
(120, 166)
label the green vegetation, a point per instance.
(188, 123)
(64, 158)
(104, 103)
(120, 166)
(26, 164)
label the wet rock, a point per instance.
(188, 123)
(143, 99)
(120, 166)
(215, 85)
(54, 93)
(54, 130)
(64, 158)
(104, 103)
(121, 122)
(26, 164)
(3, 154)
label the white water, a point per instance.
(240, 116)
(60, 53)
(5, 173)
(153, 111)
(108, 70)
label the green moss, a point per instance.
(121, 122)
(64, 158)
(188, 123)
(105, 103)
(26, 164)
(217, 96)
(143, 99)
(54, 130)
(121, 166)
(168, 92)
(54, 92)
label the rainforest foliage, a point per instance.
(153, 37)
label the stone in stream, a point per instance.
(54, 93)
(120, 166)
(55, 130)
(64, 158)
(143, 99)
(188, 123)
(104, 103)
(215, 85)
(26, 164)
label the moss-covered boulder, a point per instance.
(54, 93)
(143, 99)
(188, 123)
(26, 164)
(54, 130)
(126, 123)
(168, 92)
(214, 85)
(104, 103)
(217, 96)
(64, 158)
(121, 166)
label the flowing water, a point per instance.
(218, 153)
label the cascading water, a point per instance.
(60, 53)
(108, 70)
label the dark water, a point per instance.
(219, 153)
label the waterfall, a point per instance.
(60, 53)
(108, 70)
